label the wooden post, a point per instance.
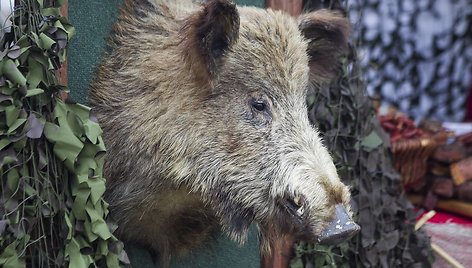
(281, 255)
(62, 72)
(293, 7)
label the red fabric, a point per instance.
(445, 217)
(455, 239)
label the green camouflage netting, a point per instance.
(360, 148)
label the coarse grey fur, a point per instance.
(204, 117)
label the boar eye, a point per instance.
(259, 105)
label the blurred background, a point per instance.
(417, 55)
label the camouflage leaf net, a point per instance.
(52, 213)
(360, 149)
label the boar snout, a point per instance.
(340, 229)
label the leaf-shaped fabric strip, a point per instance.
(43, 60)
(10, 70)
(13, 178)
(91, 236)
(58, 176)
(97, 189)
(19, 122)
(50, 11)
(371, 141)
(61, 2)
(34, 92)
(3, 226)
(112, 260)
(11, 114)
(46, 41)
(76, 259)
(35, 74)
(9, 257)
(86, 163)
(389, 241)
(66, 145)
(78, 207)
(61, 38)
(68, 222)
(82, 111)
(7, 156)
(74, 123)
(5, 98)
(66, 26)
(99, 226)
(92, 129)
(34, 127)
(14, 52)
(4, 143)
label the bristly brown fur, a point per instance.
(327, 33)
(207, 35)
(204, 117)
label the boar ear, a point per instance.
(327, 33)
(208, 34)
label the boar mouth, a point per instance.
(341, 228)
(293, 218)
(296, 207)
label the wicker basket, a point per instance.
(411, 156)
